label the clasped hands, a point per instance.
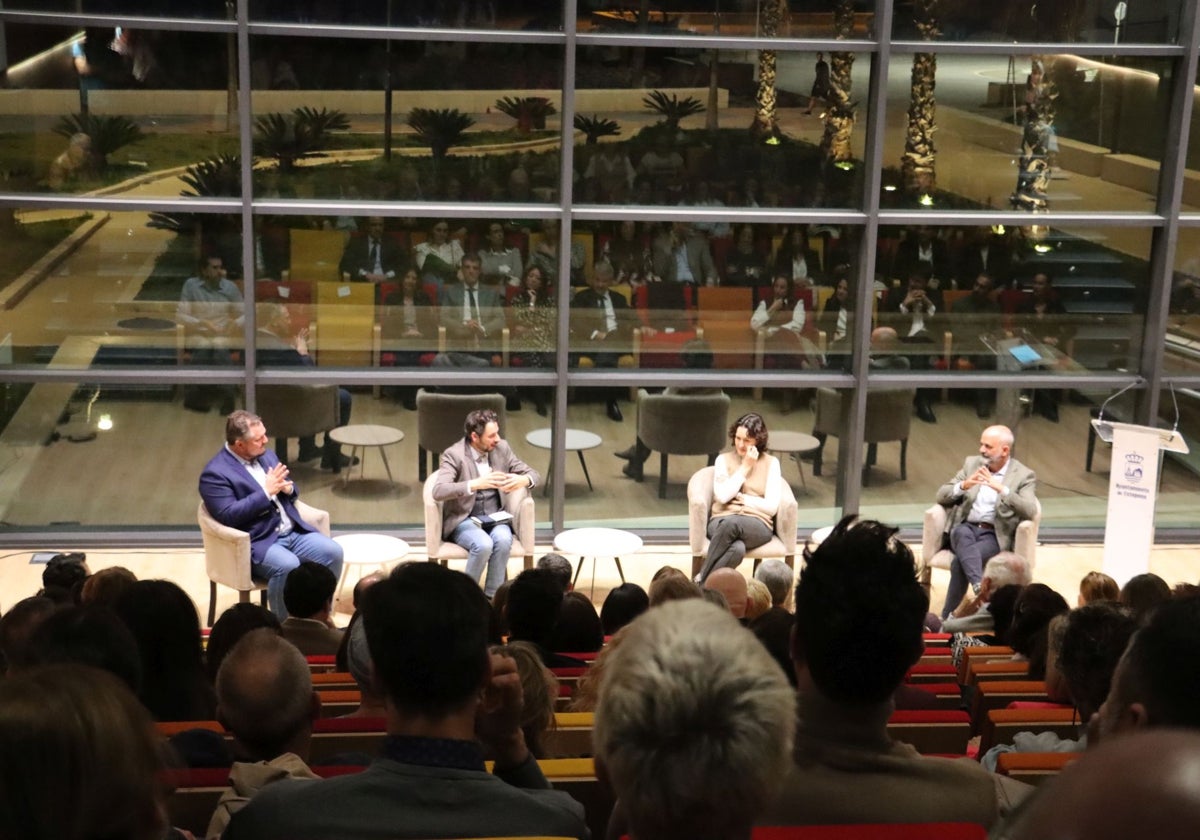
(278, 481)
(982, 476)
(504, 482)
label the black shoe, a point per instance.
(627, 454)
(633, 470)
(512, 402)
(307, 454)
(409, 401)
(614, 411)
(328, 463)
(540, 406)
(982, 410)
(925, 412)
(196, 405)
(227, 406)
(1051, 412)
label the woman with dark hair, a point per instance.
(746, 265)
(578, 629)
(623, 605)
(796, 260)
(228, 630)
(164, 622)
(439, 256)
(1028, 635)
(745, 496)
(1142, 593)
(532, 317)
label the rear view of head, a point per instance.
(861, 569)
(229, 629)
(578, 629)
(427, 629)
(778, 577)
(539, 691)
(534, 604)
(104, 586)
(1142, 593)
(623, 605)
(1093, 640)
(560, 566)
(694, 725)
(1007, 568)
(309, 590)
(91, 636)
(78, 758)
(671, 586)
(1097, 586)
(731, 584)
(265, 694)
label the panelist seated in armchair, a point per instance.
(987, 499)
(745, 496)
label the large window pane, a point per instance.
(1055, 21)
(474, 14)
(470, 121)
(104, 114)
(1056, 132)
(666, 126)
(153, 8)
(769, 19)
(1183, 323)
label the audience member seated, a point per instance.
(987, 252)
(539, 693)
(758, 599)
(360, 667)
(602, 326)
(716, 598)
(975, 615)
(279, 345)
(534, 606)
(796, 261)
(63, 578)
(987, 499)
(611, 172)
(166, 626)
(438, 258)
(913, 311)
(427, 629)
(79, 758)
(1143, 593)
(847, 769)
(745, 496)
(560, 567)
(679, 254)
(921, 249)
(18, 626)
(578, 629)
(373, 258)
(671, 584)
(662, 165)
(628, 253)
(1096, 587)
(102, 588)
(91, 636)
(834, 320)
(1157, 681)
(623, 604)
(533, 315)
(308, 595)
(1141, 786)
(778, 578)
(1035, 608)
(472, 314)
(411, 317)
(782, 321)
(701, 196)
(774, 630)
(692, 758)
(544, 254)
(229, 629)
(246, 487)
(210, 310)
(499, 264)
(265, 699)
(732, 587)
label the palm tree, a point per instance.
(840, 113)
(918, 163)
(766, 121)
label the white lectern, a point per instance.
(1132, 493)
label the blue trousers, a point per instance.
(973, 546)
(485, 548)
(288, 552)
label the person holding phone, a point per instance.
(745, 496)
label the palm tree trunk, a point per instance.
(766, 120)
(918, 163)
(840, 114)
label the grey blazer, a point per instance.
(458, 469)
(1018, 505)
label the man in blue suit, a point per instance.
(245, 486)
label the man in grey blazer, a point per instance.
(987, 499)
(475, 475)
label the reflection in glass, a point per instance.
(685, 131)
(1183, 322)
(1055, 21)
(527, 15)
(772, 19)
(1088, 134)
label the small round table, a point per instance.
(597, 542)
(362, 436)
(368, 550)
(577, 441)
(795, 444)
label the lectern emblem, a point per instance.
(1133, 466)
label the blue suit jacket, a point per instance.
(234, 498)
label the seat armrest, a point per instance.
(433, 519)
(520, 505)
(932, 529)
(315, 517)
(699, 492)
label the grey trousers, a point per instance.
(729, 539)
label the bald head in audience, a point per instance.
(265, 697)
(730, 583)
(1140, 786)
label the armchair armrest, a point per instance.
(315, 517)
(698, 508)
(760, 352)
(785, 524)
(520, 505)
(433, 519)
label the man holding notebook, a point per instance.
(479, 480)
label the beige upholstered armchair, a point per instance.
(935, 551)
(889, 417)
(682, 424)
(519, 504)
(440, 422)
(296, 411)
(700, 496)
(227, 554)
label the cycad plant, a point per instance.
(439, 129)
(595, 127)
(672, 108)
(530, 112)
(289, 137)
(108, 133)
